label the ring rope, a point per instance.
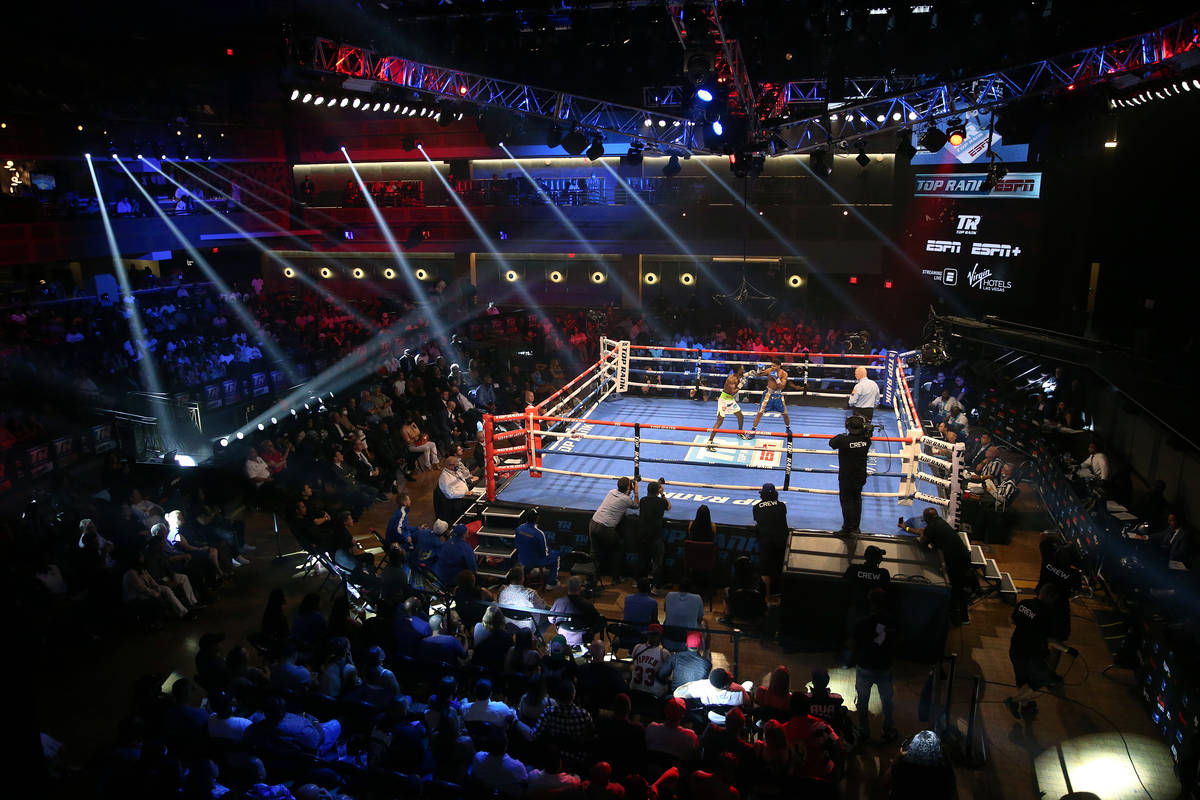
(644, 440)
(874, 356)
(726, 375)
(817, 365)
(934, 479)
(773, 468)
(715, 389)
(566, 400)
(605, 356)
(928, 498)
(691, 429)
(726, 487)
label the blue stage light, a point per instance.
(718, 128)
(704, 95)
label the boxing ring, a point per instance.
(629, 415)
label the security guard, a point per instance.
(852, 448)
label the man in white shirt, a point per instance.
(256, 468)
(485, 709)
(865, 396)
(497, 770)
(455, 483)
(648, 659)
(1095, 466)
(718, 690)
(602, 530)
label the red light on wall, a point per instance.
(228, 51)
(570, 255)
(854, 279)
(887, 284)
(216, 249)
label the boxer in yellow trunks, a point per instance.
(727, 403)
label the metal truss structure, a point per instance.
(796, 94)
(961, 98)
(728, 62)
(876, 105)
(664, 133)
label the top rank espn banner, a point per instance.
(964, 185)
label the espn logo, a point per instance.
(989, 249)
(942, 246)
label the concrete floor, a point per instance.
(80, 698)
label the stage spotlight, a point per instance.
(821, 163)
(421, 274)
(358, 273)
(224, 442)
(389, 273)
(687, 278)
(556, 276)
(240, 435)
(933, 139)
(795, 281)
(355, 103)
(956, 132)
(596, 150)
(288, 272)
(897, 116)
(326, 273)
(647, 122)
(511, 276)
(671, 168)
(650, 278)
(554, 136)
(307, 97)
(319, 101)
(262, 427)
(880, 118)
(862, 158)
(574, 143)
(718, 128)
(274, 420)
(403, 110)
(704, 95)
(293, 412)
(295, 93)
(599, 277)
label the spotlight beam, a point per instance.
(262, 248)
(783, 240)
(414, 286)
(622, 286)
(137, 329)
(519, 286)
(674, 237)
(245, 317)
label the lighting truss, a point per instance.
(992, 90)
(665, 134)
(797, 93)
(728, 63)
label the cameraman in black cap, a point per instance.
(770, 519)
(852, 448)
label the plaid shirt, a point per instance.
(568, 726)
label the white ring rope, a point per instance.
(928, 498)
(726, 487)
(565, 401)
(812, 364)
(667, 386)
(934, 479)
(600, 437)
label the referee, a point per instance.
(864, 397)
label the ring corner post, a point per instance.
(489, 462)
(957, 455)
(535, 441)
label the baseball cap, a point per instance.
(675, 709)
(768, 491)
(855, 423)
(694, 639)
(654, 627)
(874, 553)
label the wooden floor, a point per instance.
(81, 699)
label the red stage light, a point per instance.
(887, 284)
(228, 51)
(570, 255)
(854, 279)
(955, 138)
(216, 249)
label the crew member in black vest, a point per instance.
(1027, 650)
(1058, 570)
(770, 520)
(860, 580)
(852, 448)
(938, 535)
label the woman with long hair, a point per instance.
(701, 528)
